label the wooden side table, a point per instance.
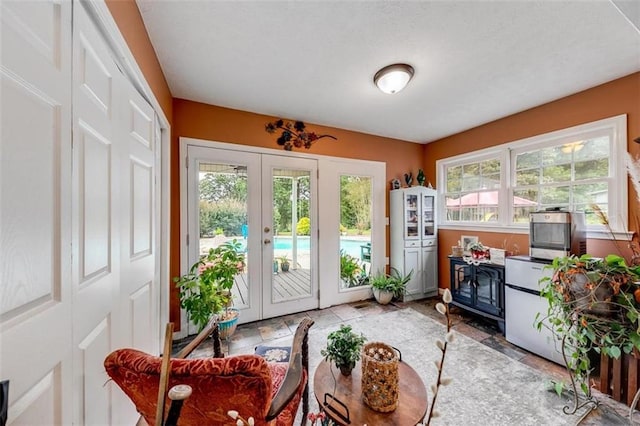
(412, 400)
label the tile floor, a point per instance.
(247, 336)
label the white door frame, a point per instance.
(197, 155)
(331, 170)
(328, 190)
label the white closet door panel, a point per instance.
(96, 220)
(44, 395)
(96, 396)
(141, 311)
(35, 37)
(141, 215)
(29, 197)
(35, 254)
(140, 293)
(94, 215)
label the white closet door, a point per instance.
(35, 176)
(115, 286)
(137, 321)
(96, 226)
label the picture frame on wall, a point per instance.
(466, 241)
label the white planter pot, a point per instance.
(383, 297)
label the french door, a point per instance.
(266, 203)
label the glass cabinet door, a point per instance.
(428, 216)
(411, 217)
(461, 282)
(488, 284)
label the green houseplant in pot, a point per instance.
(344, 348)
(385, 287)
(594, 307)
(206, 289)
(350, 269)
(284, 263)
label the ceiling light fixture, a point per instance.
(393, 78)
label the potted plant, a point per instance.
(350, 269)
(206, 289)
(344, 348)
(284, 263)
(594, 306)
(385, 287)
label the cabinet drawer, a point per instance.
(412, 243)
(428, 243)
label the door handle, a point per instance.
(267, 241)
(267, 229)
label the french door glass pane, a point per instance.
(355, 230)
(223, 215)
(292, 245)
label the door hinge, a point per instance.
(186, 162)
(187, 239)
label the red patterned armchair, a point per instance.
(268, 392)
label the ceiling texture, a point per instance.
(474, 61)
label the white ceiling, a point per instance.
(475, 61)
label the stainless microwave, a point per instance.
(555, 233)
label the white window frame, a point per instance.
(616, 127)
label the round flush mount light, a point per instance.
(393, 78)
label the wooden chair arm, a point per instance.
(177, 394)
(298, 361)
(211, 329)
(164, 374)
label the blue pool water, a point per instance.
(351, 247)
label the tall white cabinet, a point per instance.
(414, 239)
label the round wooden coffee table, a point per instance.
(412, 400)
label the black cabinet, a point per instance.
(478, 288)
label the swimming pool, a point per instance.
(350, 246)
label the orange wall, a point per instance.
(130, 24)
(621, 96)
(208, 122)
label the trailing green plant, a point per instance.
(394, 283)
(206, 289)
(594, 306)
(343, 348)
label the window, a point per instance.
(472, 190)
(571, 169)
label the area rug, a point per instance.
(488, 388)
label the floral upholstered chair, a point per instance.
(268, 392)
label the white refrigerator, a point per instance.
(523, 302)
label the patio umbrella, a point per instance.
(485, 198)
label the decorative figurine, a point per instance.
(420, 178)
(395, 184)
(408, 178)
